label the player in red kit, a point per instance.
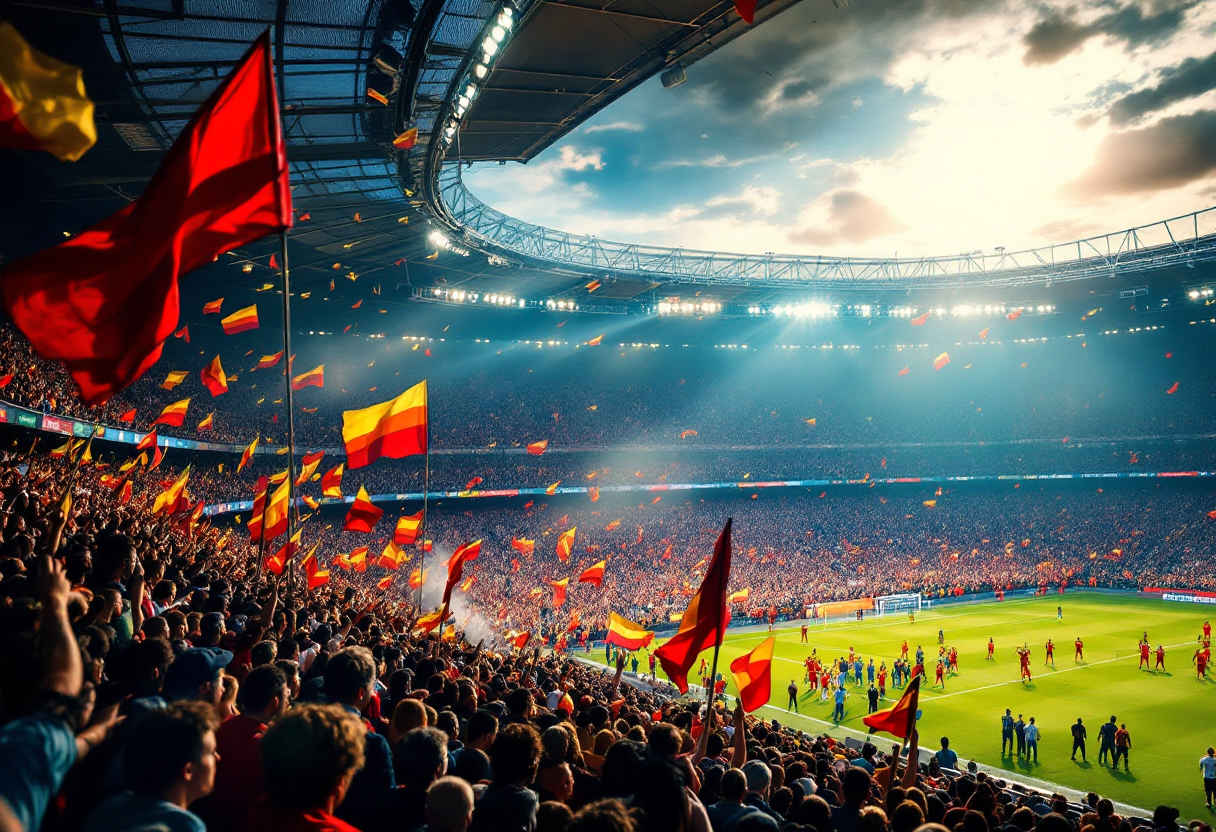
(991, 648)
(1160, 658)
(1144, 655)
(1024, 656)
(1207, 630)
(1080, 655)
(882, 681)
(1200, 661)
(1051, 653)
(940, 677)
(804, 634)
(903, 651)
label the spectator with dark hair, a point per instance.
(196, 674)
(855, 787)
(350, 678)
(508, 805)
(238, 778)
(309, 758)
(421, 759)
(169, 761)
(731, 806)
(609, 815)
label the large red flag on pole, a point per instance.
(704, 622)
(104, 301)
(901, 719)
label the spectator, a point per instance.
(508, 805)
(350, 676)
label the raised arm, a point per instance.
(63, 672)
(738, 755)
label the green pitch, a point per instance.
(1170, 716)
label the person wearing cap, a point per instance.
(195, 675)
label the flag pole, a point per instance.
(426, 492)
(276, 134)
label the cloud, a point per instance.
(1167, 154)
(1062, 231)
(762, 200)
(620, 126)
(1191, 78)
(718, 160)
(857, 219)
(1059, 33)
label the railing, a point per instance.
(1185, 240)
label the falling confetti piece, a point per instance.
(1173, 389)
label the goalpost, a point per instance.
(906, 603)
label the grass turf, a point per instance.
(1170, 716)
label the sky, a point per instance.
(909, 128)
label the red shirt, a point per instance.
(264, 815)
(238, 775)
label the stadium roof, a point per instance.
(365, 207)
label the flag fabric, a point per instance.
(941, 361)
(241, 320)
(104, 301)
(1015, 314)
(984, 333)
(43, 105)
(518, 640)
(625, 634)
(595, 342)
(213, 308)
(385, 582)
(393, 429)
(920, 321)
(274, 523)
(317, 577)
(174, 378)
(213, 377)
(408, 529)
(538, 448)
(905, 371)
(522, 546)
(746, 10)
(565, 543)
(128, 416)
(267, 361)
(311, 502)
(363, 515)
(206, 424)
(315, 456)
(392, 557)
(704, 621)
(418, 578)
(593, 574)
(1173, 388)
(276, 562)
(149, 441)
(173, 414)
(307, 469)
(739, 597)
(559, 591)
(753, 674)
(901, 719)
(429, 622)
(313, 378)
(170, 500)
(331, 482)
(247, 454)
(406, 140)
(184, 333)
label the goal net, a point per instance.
(885, 604)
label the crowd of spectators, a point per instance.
(153, 677)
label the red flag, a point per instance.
(704, 622)
(149, 440)
(128, 416)
(522, 546)
(538, 448)
(363, 515)
(214, 307)
(753, 675)
(315, 456)
(1015, 314)
(104, 301)
(331, 481)
(184, 333)
(746, 10)
(593, 574)
(565, 543)
(901, 719)
(259, 509)
(213, 378)
(559, 591)
(921, 320)
(1173, 389)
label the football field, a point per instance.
(1170, 715)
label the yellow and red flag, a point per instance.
(213, 308)
(363, 515)
(307, 469)
(565, 544)
(241, 320)
(418, 578)
(174, 378)
(275, 521)
(593, 574)
(406, 140)
(941, 361)
(538, 448)
(279, 559)
(408, 529)
(173, 414)
(704, 621)
(43, 105)
(595, 342)
(753, 674)
(213, 378)
(523, 546)
(519, 639)
(170, 500)
(311, 502)
(901, 719)
(385, 582)
(259, 509)
(559, 591)
(206, 424)
(627, 635)
(313, 378)
(392, 557)
(267, 361)
(317, 576)
(739, 597)
(429, 622)
(393, 429)
(331, 482)
(552, 489)
(247, 454)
